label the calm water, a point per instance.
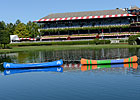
(72, 82)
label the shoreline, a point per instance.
(66, 47)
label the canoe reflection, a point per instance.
(92, 67)
(15, 71)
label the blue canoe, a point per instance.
(16, 71)
(47, 64)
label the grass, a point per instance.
(66, 47)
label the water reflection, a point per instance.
(71, 58)
(129, 68)
(100, 84)
(68, 56)
(15, 71)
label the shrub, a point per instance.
(63, 30)
(95, 41)
(132, 39)
(105, 41)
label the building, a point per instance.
(107, 21)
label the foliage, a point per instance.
(97, 41)
(33, 29)
(10, 28)
(2, 25)
(4, 58)
(123, 40)
(17, 22)
(132, 39)
(81, 29)
(4, 35)
(62, 43)
(21, 31)
(1, 67)
(29, 30)
(4, 38)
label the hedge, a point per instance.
(63, 43)
(82, 28)
(132, 39)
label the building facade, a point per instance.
(106, 21)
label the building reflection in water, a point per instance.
(68, 56)
(72, 58)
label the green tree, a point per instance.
(17, 22)
(10, 28)
(4, 38)
(33, 29)
(2, 25)
(0, 39)
(21, 31)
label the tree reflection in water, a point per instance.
(71, 58)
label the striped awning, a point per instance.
(85, 17)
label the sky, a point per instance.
(30, 10)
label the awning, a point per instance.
(85, 17)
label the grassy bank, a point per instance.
(66, 47)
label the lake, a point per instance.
(72, 81)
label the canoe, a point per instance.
(19, 70)
(36, 65)
(113, 61)
(93, 67)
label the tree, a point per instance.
(10, 28)
(4, 38)
(33, 29)
(29, 28)
(21, 31)
(2, 25)
(17, 22)
(0, 39)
